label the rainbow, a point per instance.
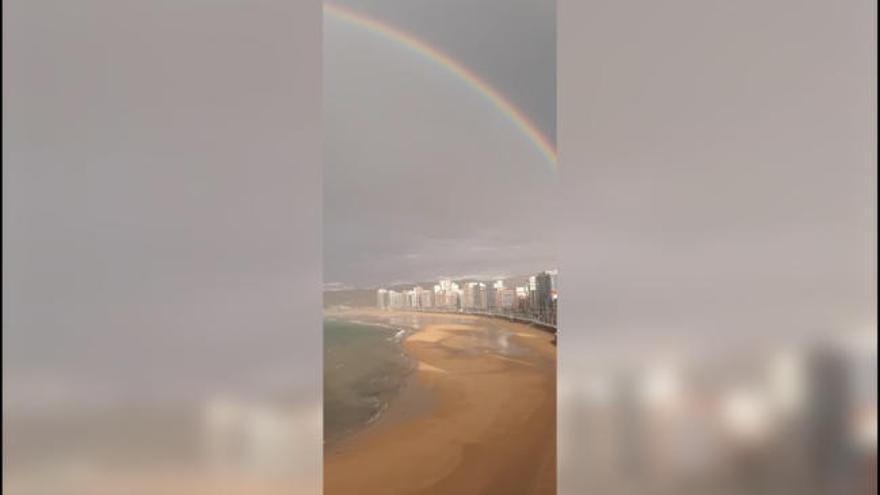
(445, 61)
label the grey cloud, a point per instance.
(418, 162)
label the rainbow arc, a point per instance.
(377, 27)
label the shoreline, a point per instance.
(339, 435)
(475, 416)
(514, 318)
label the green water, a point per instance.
(364, 367)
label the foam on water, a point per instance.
(364, 367)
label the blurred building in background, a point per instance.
(771, 421)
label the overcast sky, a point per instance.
(424, 177)
(161, 182)
(724, 188)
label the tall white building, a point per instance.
(474, 296)
(447, 294)
(467, 299)
(395, 299)
(507, 298)
(410, 299)
(426, 299)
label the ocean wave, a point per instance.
(378, 324)
(368, 370)
(376, 415)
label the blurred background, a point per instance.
(718, 163)
(161, 247)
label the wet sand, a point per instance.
(490, 428)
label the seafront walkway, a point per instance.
(519, 318)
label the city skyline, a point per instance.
(533, 297)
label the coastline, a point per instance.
(477, 415)
(365, 368)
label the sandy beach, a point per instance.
(490, 427)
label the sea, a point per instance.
(364, 369)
